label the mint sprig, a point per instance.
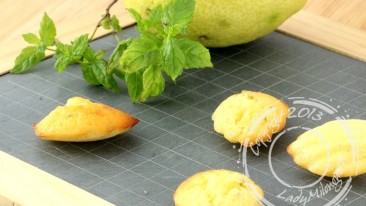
(143, 62)
(32, 55)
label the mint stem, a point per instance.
(107, 14)
(49, 49)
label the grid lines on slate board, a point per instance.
(175, 138)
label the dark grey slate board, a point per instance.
(175, 138)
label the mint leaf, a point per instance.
(99, 68)
(152, 24)
(31, 38)
(99, 54)
(141, 53)
(88, 74)
(29, 57)
(155, 17)
(78, 46)
(134, 85)
(196, 55)
(95, 70)
(178, 13)
(119, 74)
(174, 58)
(115, 24)
(62, 62)
(62, 56)
(113, 62)
(61, 48)
(70, 54)
(105, 23)
(90, 56)
(109, 23)
(47, 31)
(25, 54)
(136, 16)
(153, 82)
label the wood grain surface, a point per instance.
(338, 25)
(347, 12)
(4, 201)
(23, 184)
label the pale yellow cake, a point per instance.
(250, 117)
(218, 188)
(81, 120)
(335, 149)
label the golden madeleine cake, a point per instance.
(81, 120)
(250, 117)
(335, 149)
(218, 188)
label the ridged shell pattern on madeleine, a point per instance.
(335, 149)
(81, 120)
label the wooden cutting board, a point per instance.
(22, 184)
(339, 25)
